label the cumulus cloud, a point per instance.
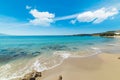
(97, 16)
(41, 18)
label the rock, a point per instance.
(38, 78)
(60, 77)
(90, 43)
(21, 54)
(4, 50)
(32, 78)
(43, 48)
(23, 79)
(38, 74)
(118, 57)
(36, 53)
(54, 47)
(27, 77)
(75, 48)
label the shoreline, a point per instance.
(98, 67)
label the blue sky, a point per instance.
(58, 17)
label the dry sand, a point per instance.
(99, 67)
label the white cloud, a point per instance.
(66, 17)
(73, 21)
(41, 18)
(28, 7)
(85, 17)
(97, 16)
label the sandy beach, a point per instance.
(99, 67)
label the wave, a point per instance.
(17, 69)
(113, 48)
(41, 63)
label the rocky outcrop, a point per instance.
(32, 76)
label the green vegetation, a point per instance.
(108, 33)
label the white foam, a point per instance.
(94, 52)
(55, 60)
(11, 71)
(63, 54)
(113, 45)
(96, 49)
(38, 66)
(5, 67)
(6, 75)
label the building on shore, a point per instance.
(117, 33)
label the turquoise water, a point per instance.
(45, 52)
(12, 47)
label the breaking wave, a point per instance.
(17, 69)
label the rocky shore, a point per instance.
(32, 76)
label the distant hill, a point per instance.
(82, 35)
(107, 33)
(3, 34)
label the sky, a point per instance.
(58, 17)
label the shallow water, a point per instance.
(21, 54)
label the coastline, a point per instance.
(98, 67)
(112, 36)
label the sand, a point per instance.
(99, 67)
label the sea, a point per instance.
(20, 55)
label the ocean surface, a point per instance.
(21, 54)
